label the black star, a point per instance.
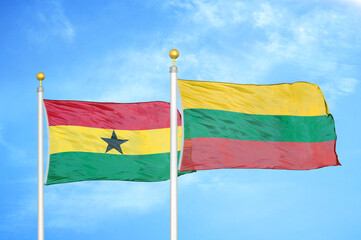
(114, 142)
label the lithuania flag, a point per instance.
(282, 126)
(108, 141)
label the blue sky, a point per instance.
(118, 51)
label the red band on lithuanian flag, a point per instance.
(108, 141)
(283, 126)
(229, 153)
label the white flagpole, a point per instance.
(40, 76)
(173, 148)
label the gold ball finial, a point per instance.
(40, 76)
(173, 53)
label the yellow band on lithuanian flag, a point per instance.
(86, 139)
(297, 99)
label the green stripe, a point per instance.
(81, 166)
(278, 128)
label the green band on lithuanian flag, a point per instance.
(108, 141)
(283, 126)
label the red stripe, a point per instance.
(121, 116)
(215, 153)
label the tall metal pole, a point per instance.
(173, 148)
(40, 76)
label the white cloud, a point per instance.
(84, 205)
(13, 151)
(302, 40)
(135, 75)
(267, 16)
(52, 22)
(352, 2)
(210, 13)
(338, 87)
(123, 75)
(348, 85)
(221, 68)
(80, 205)
(313, 43)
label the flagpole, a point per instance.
(40, 76)
(173, 148)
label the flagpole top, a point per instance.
(40, 76)
(173, 54)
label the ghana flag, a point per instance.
(282, 126)
(108, 141)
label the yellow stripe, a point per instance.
(297, 99)
(85, 139)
